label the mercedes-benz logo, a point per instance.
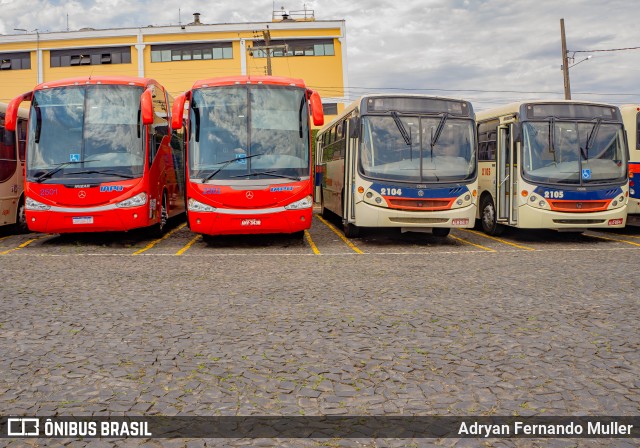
(579, 205)
(249, 194)
(420, 193)
(82, 194)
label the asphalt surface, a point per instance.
(531, 323)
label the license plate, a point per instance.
(82, 220)
(615, 222)
(460, 222)
(251, 222)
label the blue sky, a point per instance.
(490, 52)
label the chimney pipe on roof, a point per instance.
(196, 18)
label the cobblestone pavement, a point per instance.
(532, 323)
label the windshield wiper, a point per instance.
(108, 172)
(552, 137)
(401, 128)
(268, 173)
(436, 136)
(592, 137)
(304, 98)
(225, 163)
(58, 167)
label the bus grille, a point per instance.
(420, 204)
(578, 206)
(578, 221)
(419, 220)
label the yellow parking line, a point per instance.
(473, 244)
(614, 239)
(23, 245)
(342, 237)
(188, 245)
(498, 239)
(314, 248)
(626, 236)
(154, 242)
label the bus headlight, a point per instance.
(135, 201)
(197, 206)
(30, 204)
(301, 204)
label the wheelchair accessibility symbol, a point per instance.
(74, 157)
(586, 174)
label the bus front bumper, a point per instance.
(243, 221)
(535, 218)
(368, 215)
(93, 219)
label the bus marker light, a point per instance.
(524, 193)
(360, 190)
(135, 216)
(198, 221)
(475, 193)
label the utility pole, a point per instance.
(565, 63)
(267, 48)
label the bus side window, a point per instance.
(160, 125)
(22, 139)
(7, 153)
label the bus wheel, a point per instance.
(324, 212)
(21, 219)
(351, 231)
(298, 235)
(441, 231)
(161, 227)
(488, 217)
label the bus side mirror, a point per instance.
(354, 127)
(11, 118)
(146, 106)
(316, 108)
(517, 132)
(177, 112)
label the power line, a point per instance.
(600, 51)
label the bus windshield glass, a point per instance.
(249, 132)
(419, 149)
(573, 152)
(85, 132)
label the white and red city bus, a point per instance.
(12, 149)
(101, 156)
(248, 154)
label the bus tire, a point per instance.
(324, 212)
(21, 218)
(161, 227)
(441, 231)
(298, 235)
(351, 230)
(488, 217)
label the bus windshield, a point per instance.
(573, 152)
(419, 149)
(85, 132)
(249, 132)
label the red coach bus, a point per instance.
(100, 156)
(248, 158)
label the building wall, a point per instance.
(326, 74)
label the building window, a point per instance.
(15, 61)
(330, 108)
(191, 52)
(90, 56)
(302, 47)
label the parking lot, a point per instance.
(530, 323)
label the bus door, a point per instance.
(350, 167)
(506, 184)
